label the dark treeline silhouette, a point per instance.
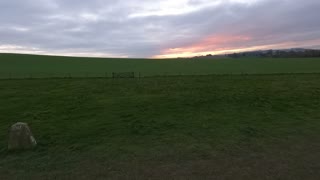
(286, 53)
(290, 53)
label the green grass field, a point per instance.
(187, 127)
(25, 66)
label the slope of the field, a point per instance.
(15, 66)
(195, 127)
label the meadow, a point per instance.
(256, 118)
(183, 127)
(31, 66)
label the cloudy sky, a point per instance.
(156, 28)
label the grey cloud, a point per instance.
(99, 26)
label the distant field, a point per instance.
(24, 66)
(197, 127)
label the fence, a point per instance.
(123, 75)
(114, 75)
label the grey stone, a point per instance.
(20, 137)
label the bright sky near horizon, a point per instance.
(156, 28)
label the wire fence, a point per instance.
(114, 75)
(109, 75)
(119, 75)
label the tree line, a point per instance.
(279, 53)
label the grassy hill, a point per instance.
(24, 66)
(195, 127)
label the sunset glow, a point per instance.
(227, 45)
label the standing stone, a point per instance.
(20, 137)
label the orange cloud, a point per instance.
(224, 44)
(209, 44)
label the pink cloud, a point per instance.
(223, 44)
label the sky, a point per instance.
(156, 28)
